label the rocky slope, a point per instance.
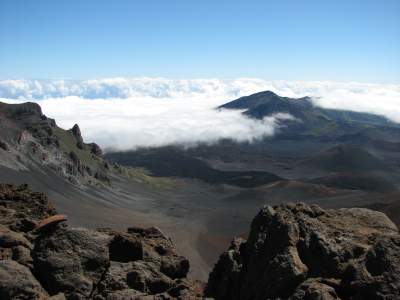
(30, 140)
(296, 251)
(41, 257)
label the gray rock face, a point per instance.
(158, 249)
(30, 140)
(77, 166)
(17, 282)
(143, 262)
(296, 251)
(76, 131)
(70, 261)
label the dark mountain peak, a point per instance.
(311, 120)
(270, 94)
(264, 98)
(267, 103)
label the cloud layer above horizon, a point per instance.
(126, 113)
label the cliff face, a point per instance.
(43, 258)
(296, 251)
(30, 140)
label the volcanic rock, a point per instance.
(31, 141)
(296, 251)
(158, 249)
(41, 257)
(76, 131)
(77, 165)
(95, 149)
(125, 248)
(17, 282)
(71, 261)
(21, 209)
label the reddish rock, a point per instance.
(51, 221)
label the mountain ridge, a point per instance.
(266, 103)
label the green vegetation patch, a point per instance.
(142, 175)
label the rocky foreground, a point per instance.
(294, 251)
(43, 258)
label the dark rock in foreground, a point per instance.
(59, 262)
(296, 251)
(17, 282)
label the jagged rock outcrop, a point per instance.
(31, 141)
(55, 261)
(296, 251)
(76, 131)
(95, 149)
(77, 166)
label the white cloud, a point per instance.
(128, 123)
(126, 88)
(125, 113)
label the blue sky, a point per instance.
(288, 40)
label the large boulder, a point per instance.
(144, 265)
(125, 248)
(41, 257)
(14, 245)
(158, 249)
(139, 276)
(298, 251)
(18, 283)
(109, 264)
(70, 260)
